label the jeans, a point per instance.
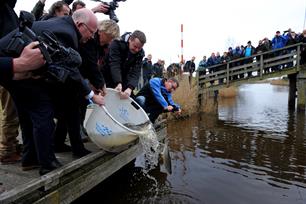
(152, 110)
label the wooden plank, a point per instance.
(280, 57)
(47, 180)
(89, 179)
(261, 66)
(73, 179)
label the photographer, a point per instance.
(123, 63)
(57, 9)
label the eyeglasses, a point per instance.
(173, 87)
(90, 31)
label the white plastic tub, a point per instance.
(106, 125)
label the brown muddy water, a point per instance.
(253, 151)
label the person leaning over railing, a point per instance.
(249, 50)
(202, 66)
(211, 61)
(292, 39)
(302, 39)
(264, 45)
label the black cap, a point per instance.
(249, 42)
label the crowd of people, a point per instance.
(289, 37)
(38, 87)
(158, 69)
(210, 65)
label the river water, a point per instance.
(253, 151)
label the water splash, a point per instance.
(150, 144)
(151, 151)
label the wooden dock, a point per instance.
(65, 184)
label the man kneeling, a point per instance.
(156, 97)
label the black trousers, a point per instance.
(153, 110)
(67, 108)
(35, 112)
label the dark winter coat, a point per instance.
(122, 66)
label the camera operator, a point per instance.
(77, 5)
(123, 63)
(33, 101)
(57, 9)
(30, 59)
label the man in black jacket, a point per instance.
(123, 63)
(93, 58)
(9, 68)
(33, 101)
(147, 67)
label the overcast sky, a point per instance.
(209, 26)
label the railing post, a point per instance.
(227, 74)
(292, 90)
(298, 56)
(261, 66)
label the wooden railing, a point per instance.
(274, 63)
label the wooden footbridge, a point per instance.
(287, 61)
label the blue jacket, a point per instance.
(279, 42)
(156, 94)
(159, 91)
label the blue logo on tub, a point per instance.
(124, 114)
(103, 130)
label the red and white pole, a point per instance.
(182, 44)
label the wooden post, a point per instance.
(298, 56)
(292, 91)
(209, 103)
(227, 74)
(301, 89)
(261, 66)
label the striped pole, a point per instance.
(182, 44)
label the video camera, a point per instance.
(112, 7)
(61, 62)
